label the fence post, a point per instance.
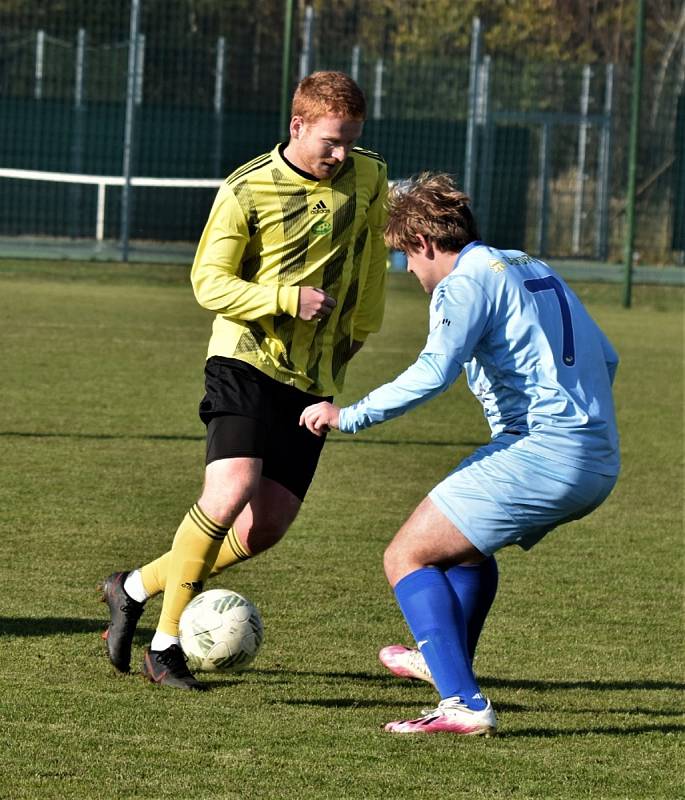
(285, 67)
(485, 121)
(354, 67)
(77, 140)
(79, 71)
(307, 40)
(378, 90)
(471, 152)
(219, 103)
(140, 69)
(129, 128)
(582, 154)
(545, 147)
(40, 57)
(604, 171)
(632, 153)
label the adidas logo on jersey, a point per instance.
(320, 208)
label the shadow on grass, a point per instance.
(551, 685)
(595, 685)
(400, 706)
(597, 730)
(163, 437)
(338, 702)
(168, 437)
(591, 730)
(53, 626)
(543, 733)
(543, 686)
(391, 442)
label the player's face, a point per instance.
(425, 268)
(321, 147)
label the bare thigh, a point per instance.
(267, 516)
(229, 485)
(426, 539)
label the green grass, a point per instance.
(102, 454)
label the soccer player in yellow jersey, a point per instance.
(293, 262)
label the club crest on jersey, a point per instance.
(321, 228)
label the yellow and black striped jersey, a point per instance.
(272, 230)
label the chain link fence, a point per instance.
(196, 88)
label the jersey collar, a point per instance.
(463, 252)
(306, 175)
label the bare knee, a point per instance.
(427, 539)
(259, 538)
(267, 516)
(229, 485)
(397, 563)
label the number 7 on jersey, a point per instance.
(550, 283)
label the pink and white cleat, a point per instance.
(451, 716)
(405, 662)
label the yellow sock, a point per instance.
(232, 551)
(194, 550)
(154, 574)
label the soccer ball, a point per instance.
(220, 630)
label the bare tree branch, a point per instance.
(678, 37)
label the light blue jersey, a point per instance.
(533, 356)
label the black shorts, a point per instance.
(249, 414)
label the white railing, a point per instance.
(102, 182)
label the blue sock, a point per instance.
(476, 586)
(433, 613)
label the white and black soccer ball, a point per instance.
(220, 631)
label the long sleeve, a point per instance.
(369, 314)
(427, 377)
(215, 273)
(611, 357)
(459, 314)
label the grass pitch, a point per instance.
(102, 455)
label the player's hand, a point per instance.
(321, 417)
(314, 304)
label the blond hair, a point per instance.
(432, 205)
(328, 92)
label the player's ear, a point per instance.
(426, 247)
(296, 126)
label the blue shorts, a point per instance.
(504, 494)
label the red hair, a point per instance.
(328, 92)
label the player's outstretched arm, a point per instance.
(320, 417)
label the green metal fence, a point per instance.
(679, 180)
(193, 90)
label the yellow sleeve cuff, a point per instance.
(288, 299)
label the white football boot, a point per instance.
(405, 663)
(451, 716)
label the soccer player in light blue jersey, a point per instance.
(542, 370)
